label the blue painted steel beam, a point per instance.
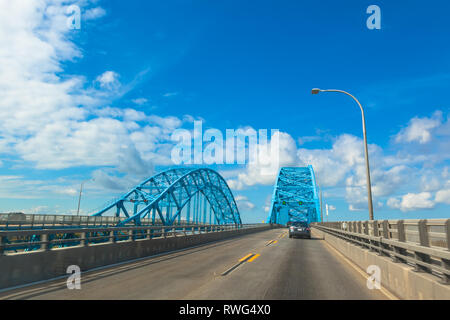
(295, 196)
(170, 192)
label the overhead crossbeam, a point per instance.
(201, 195)
(295, 196)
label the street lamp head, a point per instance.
(315, 91)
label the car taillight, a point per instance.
(308, 229)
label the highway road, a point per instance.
(263, 265)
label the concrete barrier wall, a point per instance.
(399, 278)
(23, 268)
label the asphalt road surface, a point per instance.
(263, 265)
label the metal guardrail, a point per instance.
(22, 241)
(423, 244)
(40, 221)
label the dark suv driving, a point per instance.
(299, 229)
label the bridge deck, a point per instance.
(284, 269)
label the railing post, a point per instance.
(45, 245)
(446, 263)
(447, 231)
(83, 239)
(423, 233)
(359, 227)
(375, 228)
(424, 241)
(372, 230)
(149, 233)
(2, 242)
(384, 235)
(112, 236)
(401, 236)
(385, 229)
(130, 235)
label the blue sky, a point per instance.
(101, 102)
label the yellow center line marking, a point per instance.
(249, 257)
(246, 257)
(254, 257)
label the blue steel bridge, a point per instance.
(203, 196)
(189, 195)
(173, 198)
(295, 196)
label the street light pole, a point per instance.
(320, 198)
(321, 211)
(79, 197)
(366, 153)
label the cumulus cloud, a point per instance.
(420, 129)
(243, 203)
(109, 80)
(443, 196)
(342, 168)
(94, 13)
(412, 201)
(56, 122)
(278, 152)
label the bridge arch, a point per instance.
(175, 192)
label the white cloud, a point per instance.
(443, 196)
(140, 101)
(332, 165)
(68, 191)
(57, 121)
(265, 171)
(412, 201)
(243, 203)
(170, 94)
(109, 80)
(420, 129)
(342, 168)
(94, 13)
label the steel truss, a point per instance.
(295, 196)
(178, 196)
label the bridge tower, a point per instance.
(295, 196)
